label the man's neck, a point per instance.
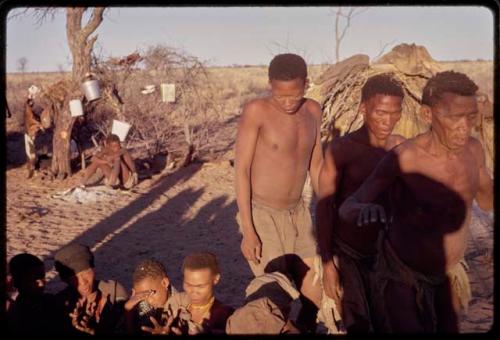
(437, 148)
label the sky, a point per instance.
(224, 36)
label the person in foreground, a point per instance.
(277, 143)
(348, 253)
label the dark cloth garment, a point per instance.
(112, 315)
(390, 267)
(32, 315)
(356, 273)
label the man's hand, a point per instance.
(251, 247)
(331, 282)
(135, 298)
(371, 213)
(157, 328)
(82, 314)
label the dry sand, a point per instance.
(191, 209)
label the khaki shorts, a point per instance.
(282, 232)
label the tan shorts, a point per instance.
(282, 232)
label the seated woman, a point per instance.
(113, 162)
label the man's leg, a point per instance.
(310, 292)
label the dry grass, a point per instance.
(227, 90)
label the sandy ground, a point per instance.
(191, 209)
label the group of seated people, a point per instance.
(89, 305)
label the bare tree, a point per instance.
(80, 41)
(22, 64)
(343, 17)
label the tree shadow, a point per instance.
(116, 220)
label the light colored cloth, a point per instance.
(390, 267)
(261, 316)
(267, 305)
(328, 312)
(29, 147)
(132, 180)
(283, 281)
(282, 232)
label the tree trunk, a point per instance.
(80, 44)
(61, 160)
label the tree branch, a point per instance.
(94, 22)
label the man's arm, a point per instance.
(327, 183)
(246, 140)
(317, 153)
(128, 160)
(358, 208)
(484, 196)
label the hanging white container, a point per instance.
(167, 93)
(120, 129)
(91, 90)
(75, 107)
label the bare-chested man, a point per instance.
(113, 161)
(278, 141)
(349, 160)
(420, 280)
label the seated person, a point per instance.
(32, 307)
(113, 162)
(150, 293)
(86, 305)
(196, 310)
(267, 307)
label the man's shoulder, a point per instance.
(113, 288)
(394, 140)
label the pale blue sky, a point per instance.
(252, 35)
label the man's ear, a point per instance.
(426, 113)
(362, 109)
(306, 84)
(216, 279)
(165, 282)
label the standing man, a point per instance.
(348, 162)
(278, 142)
(420, 280)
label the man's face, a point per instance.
(288, 94)
(114, 147)
(83, 282)
(381, 113)
(199, 285)
(453, 118)
(158, 286)
(33, 281)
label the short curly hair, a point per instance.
(287, 66)
(149, 268)
(112, 138)
(447, 81)
(201, 260)
(21, 264)
(385, 84)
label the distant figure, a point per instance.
(420, 278)
(348, 252)
(7, 110)
(32, 126)
(32, 312)
(277, 143)
(151, 292)
(114, 162)
(86, 305)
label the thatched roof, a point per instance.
(338, 90)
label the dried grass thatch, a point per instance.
(338, 90)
